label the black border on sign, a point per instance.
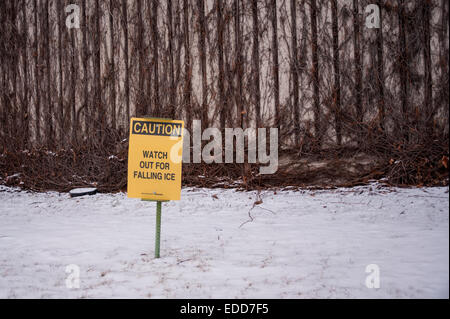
(156, 122)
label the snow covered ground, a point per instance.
(300, 244)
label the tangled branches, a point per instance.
(424, 163)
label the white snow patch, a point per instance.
(300, 244)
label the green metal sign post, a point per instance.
(158, 225)
(158, 229)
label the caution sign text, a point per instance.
(154, 159)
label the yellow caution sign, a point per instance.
(154, 159)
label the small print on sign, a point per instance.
(154, 159)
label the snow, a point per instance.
(296, 244)
(83, 191)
